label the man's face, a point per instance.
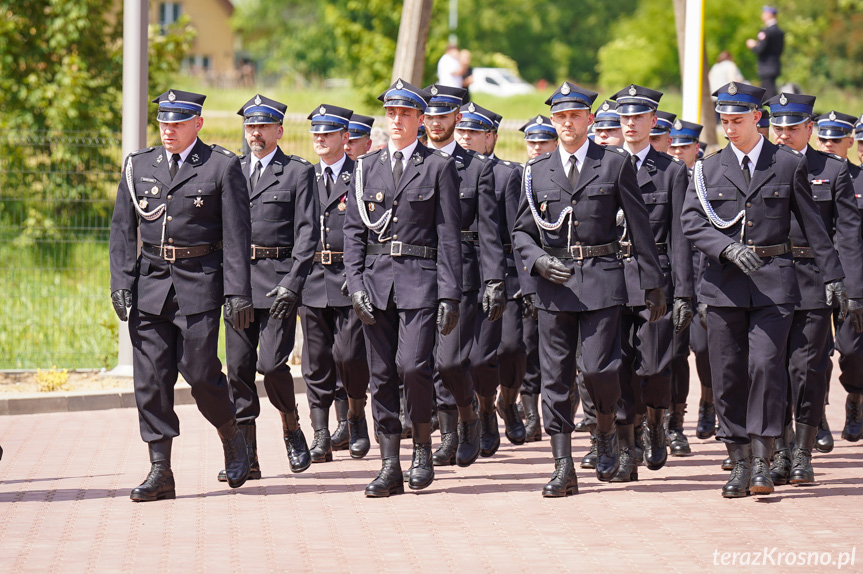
(571, 126)
(402, 125)
(685, 153)
(741, 129)
(357, 147)
(263, 138)
(330, 146)
(660, 142)
(860, 151)
(838, 146)
(474, 140)
(178, 136)
(608, 136)
(796, 137)
(536, 149)
(440, 129)
(765, 132)
(636, 129)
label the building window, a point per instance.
(197, 63)
(169, 12)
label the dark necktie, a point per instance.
(328, 180)
(634, 159)
(256, 175)
(573, 171)
(747, 175)
(175, 165)
(397, 168)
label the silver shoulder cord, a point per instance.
(148, 215)
(379, 226)
(701, 192)
(541, 223)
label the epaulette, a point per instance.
(676, 159)
(710, 155)
(829, 154)
(443, 154)
(218, 148)
(790, 150)
(298, 158)
(140, 151)
(539, 157)
(619, 150)
(369, 154)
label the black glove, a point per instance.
(121, 299)
(447, 316)
(284, 302)
(743, 257)
(494, 300)
(239, 312)
(363, 307)
(655, 301)
(681, 313)
(345, 289)
(702, 315)
(837, 293)
(552, 269)
(855, 312)
(529, 302)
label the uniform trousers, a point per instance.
(599, 361)
(511, 354)
(453, 375)
(400, 347)
(645, 376)
(809, 348)
(532, 382)
(170, 343)
(484, 356)
(849, 343)
(264, 347)
(698, 344)
(748, 350)
(680, 367)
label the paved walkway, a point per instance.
(64, 507)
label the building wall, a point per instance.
(215, 39)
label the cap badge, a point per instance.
(539, 119)
(832, 116)
(732, 88)
(258, 100)
(605, 107)
(399, 85)
(783, 100)
(564, 89)
(433, 90)
(322, 110)
(471, 108)
(171, 96)
(678, 125)
(632, 90)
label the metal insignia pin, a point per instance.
(159, 159)
(322, 110)
(171, 96)
(564, 89)
(832, 116)
(732, 88)
(154, 190)
(258, 100)
(346, 177)
(783, 100)
(379, 196)
(632, 90)
(199, 202)
(434, 90)
(194, 158)
(371, 206)
(471, 108)
(399, 85)
(605, 107)
(543, 206)
(342, 206)
(678, 125)
(143, 204)
(538, 119)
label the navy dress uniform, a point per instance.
(359, 135)
(194, 225)
(768, 48)
(404, 273)
(810, 343)
(647, 345)
(741, 219)
(565, 233)
(334, 352)
(281, 196)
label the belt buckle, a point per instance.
(165, 256)
(326, 257)
(253, 251)
(580, 249)
(395, 249)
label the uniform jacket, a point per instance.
(425, 210)
(606, 182)
(771, 41)
(324, 284)
(205, 205)
(778, 188)
(663, 181)
(507, 191)
(284, 208)
(855, 173)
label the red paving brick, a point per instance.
(64, 507)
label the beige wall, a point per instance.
(215, 36)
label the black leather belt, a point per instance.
(260, 252)
(770, 250)
(329, 257)
(471, 236)
(399, 249)
(802, 253)
(580, 252)
(626, 248)
(172, 253)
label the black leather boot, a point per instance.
(489, 440)
(513, 425)
(628, 470)
(322, 447)
(727, 463)
(706, 427)
(468, 437)
(1, 453)
(237, 464)
(422, 469)
(299, 456)
(741, 469)
(780, 468)
(340, 439)
(159, 483)
(607, 449)
(762, 451)
(532, 426)
(389, 479)
(853, 430)
(248, 431)
(403, 408)
(655, 449)
(563, 482)
(358, 429)
(678, 443)
(824, 440)
(589, 460)
(801, 471)
(445, 454)
(639, 427)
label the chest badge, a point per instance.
(342, 206)
(543, 206)
(199, 202)
(155, 190)
(371, 206)
(379, 196)
(143, 204)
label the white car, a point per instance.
(499, 82)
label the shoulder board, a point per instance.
(298, 158)
(710, 155)
(140, 151)
(829, 154)
(676, 160)
(220, 149)
(243, 156)
(441, 153)
(618, 149)
(371, 153)
(789, 150)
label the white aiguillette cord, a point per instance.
(701, 192)
(379, 226)
(541, 223)
(148, 215)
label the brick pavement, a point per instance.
(64, 507)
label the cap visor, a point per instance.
(174, 117)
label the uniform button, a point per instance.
(750, 242)
(421, 197)
(326, 214)
(578, 242)
(328, 245)
(575, 223)
(327, 229)
(775, 193)
(580, 263)
(395, 219)
(462, 194)
(170, 218)
(525, 268)
(395, 202)
(720, 195)
(574, 202)
(251, 204)
(170, 197)
(170, 240)
(749, 223)
(199, 191)
(748, 204)
(395, 237)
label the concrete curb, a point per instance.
(64, 402)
